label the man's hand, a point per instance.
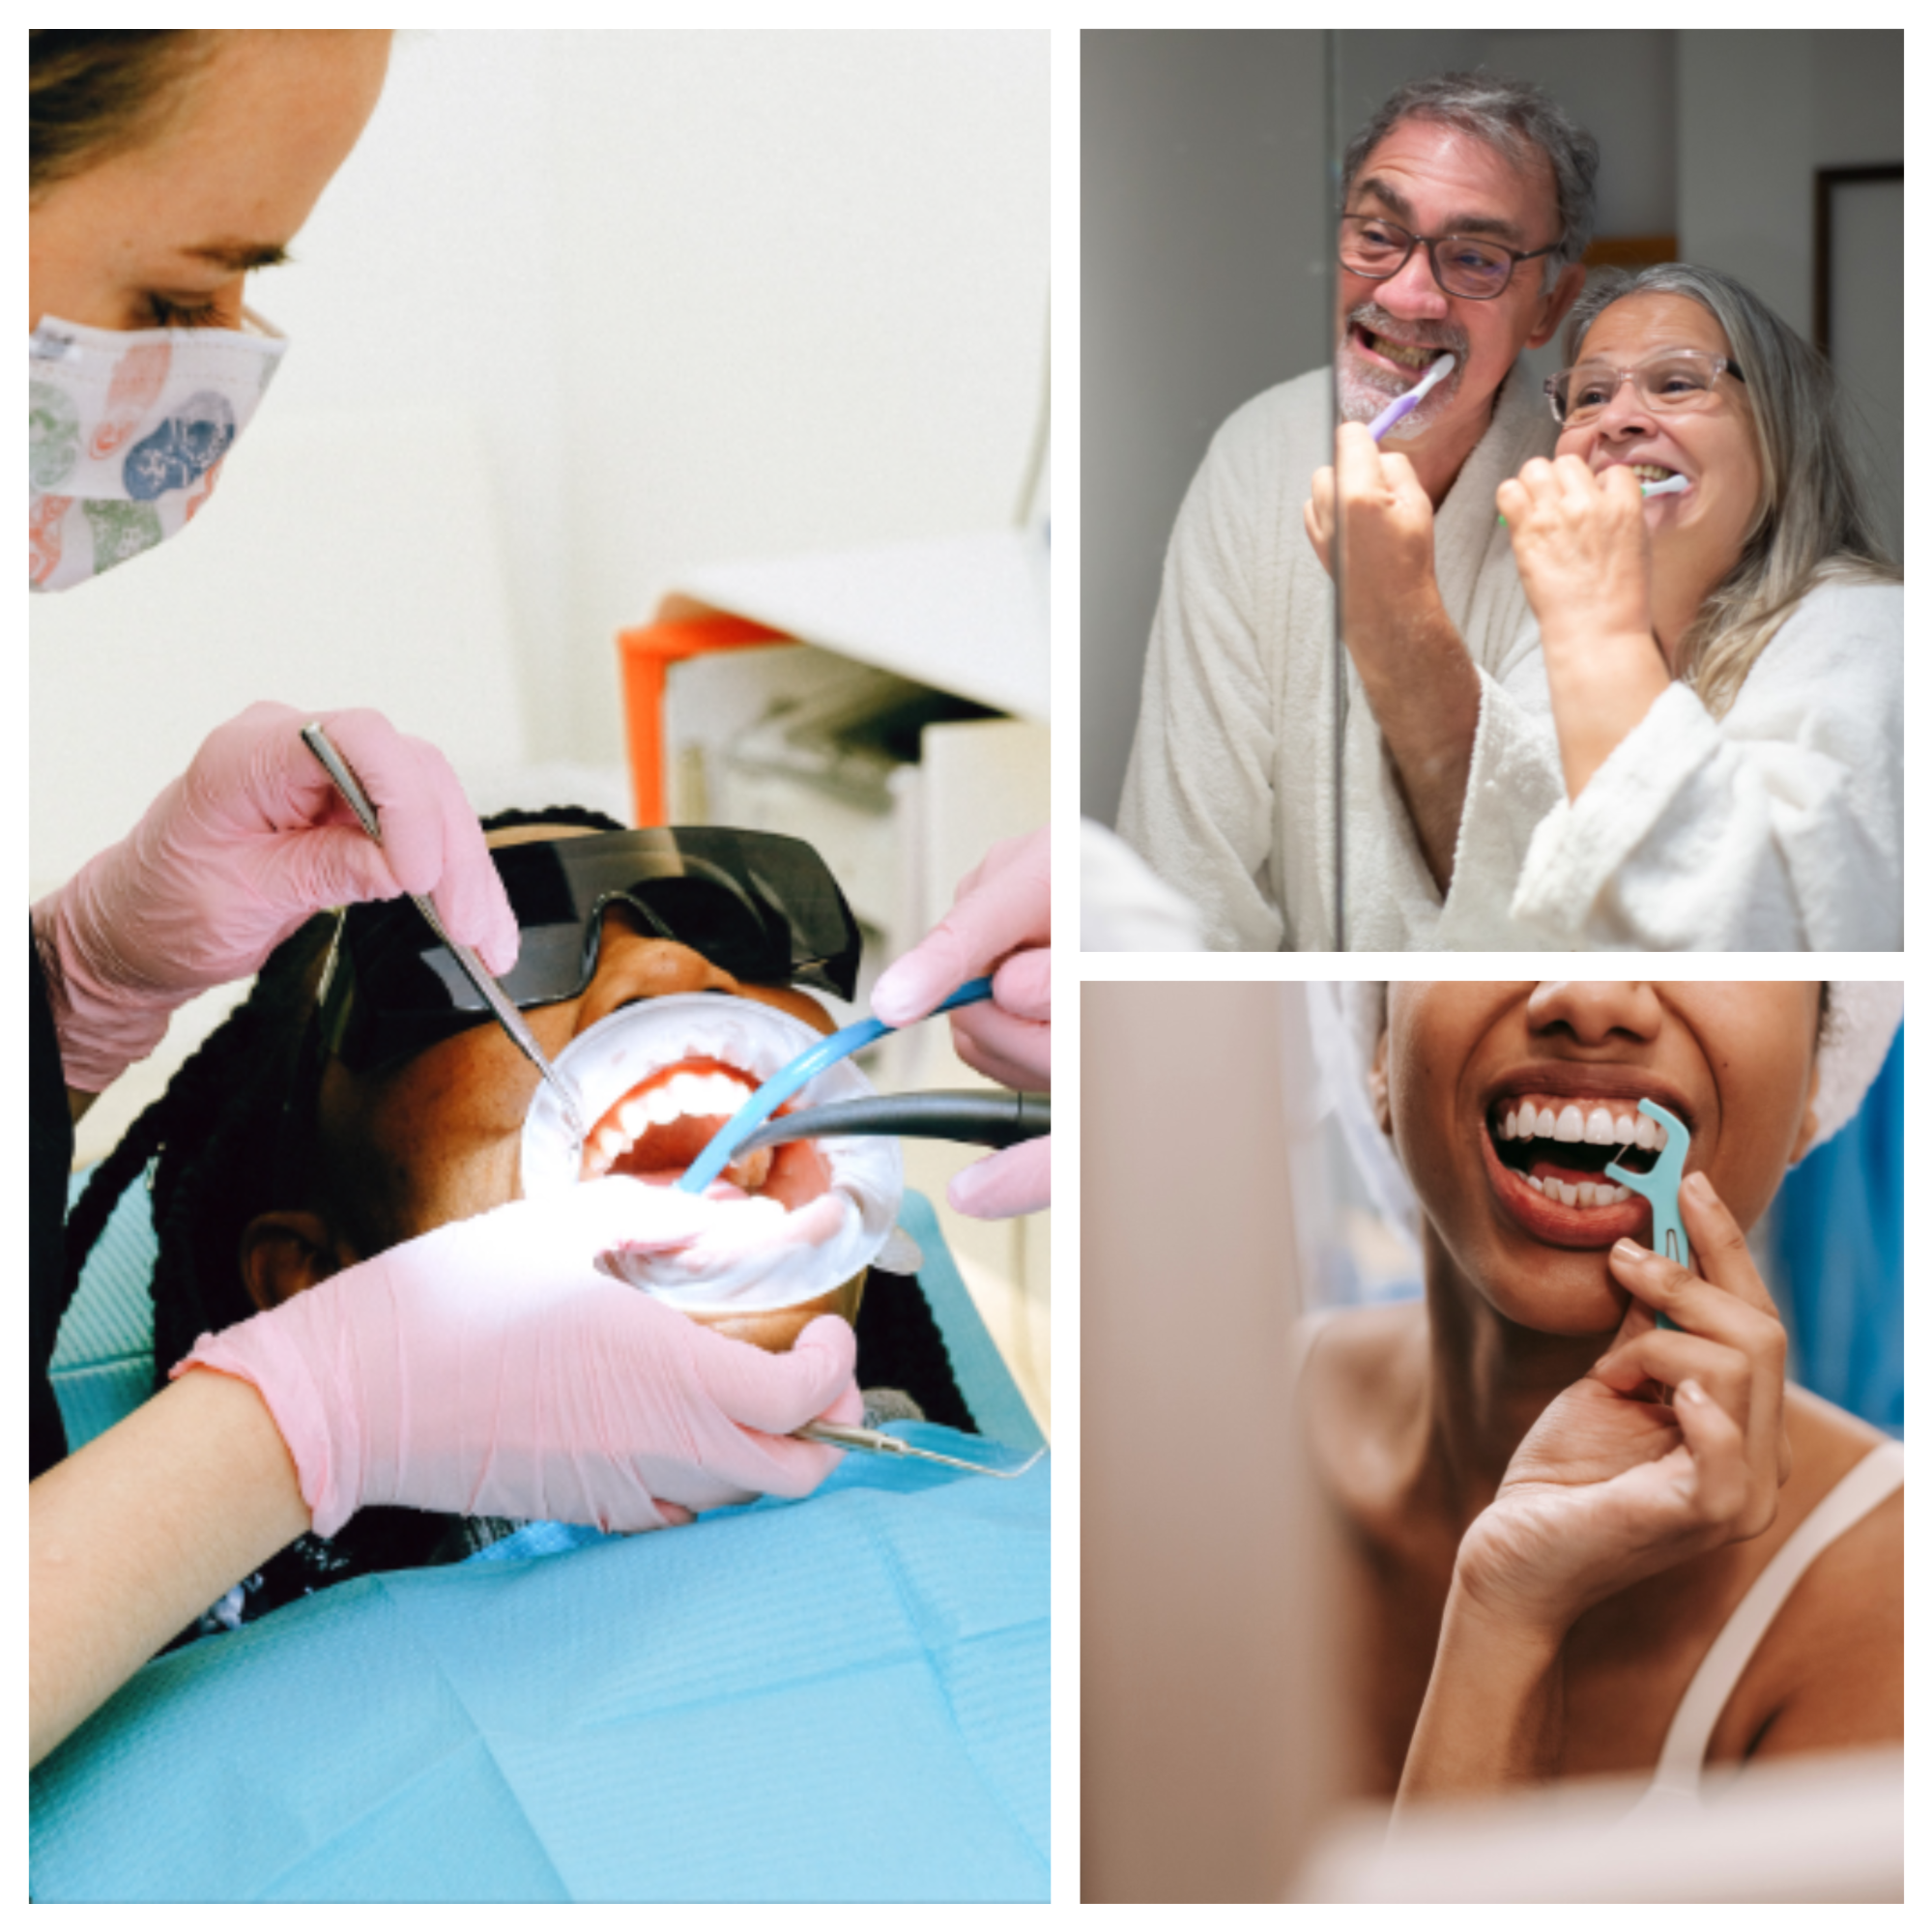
(1413, 664)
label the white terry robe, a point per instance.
(1231, 785)
(1778, 828)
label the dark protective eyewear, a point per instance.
(760, 906)
(1673, 379)
(1470, 266)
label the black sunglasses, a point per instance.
(758, 906)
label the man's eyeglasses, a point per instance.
(1469, 266)
(1671, 380)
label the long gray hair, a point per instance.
(1814, 521)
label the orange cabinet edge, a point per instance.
(681, 628)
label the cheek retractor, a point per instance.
(1659, 1186)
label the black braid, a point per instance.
(212, 1138)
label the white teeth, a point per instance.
(1597, 1128)
(1570, 1124)
(1623, 1193)
(1625, 1130)
(1508, 1130)
(1526, 1122)
(1568, 1194)
(1546, 1125)
(1649, 1133)
(703, 1095)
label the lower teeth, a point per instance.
(1581, 1193)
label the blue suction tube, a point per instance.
(787, 1080)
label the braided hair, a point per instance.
(211, 1147)
(212, 1138)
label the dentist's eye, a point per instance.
(164, 313)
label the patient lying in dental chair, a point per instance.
(344, 1108)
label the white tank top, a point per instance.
(1680, 1769)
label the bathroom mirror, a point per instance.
(1775, 157)
(1210, 171)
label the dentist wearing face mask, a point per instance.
(164, 168)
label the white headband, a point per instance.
(1346, 1018)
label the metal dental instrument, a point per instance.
(842, 1436)
(506, 1016)
(1659, 1186)
(724, 1144)
(977, 1118)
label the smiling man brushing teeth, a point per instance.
(1469, 201)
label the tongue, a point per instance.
(1546, 1171)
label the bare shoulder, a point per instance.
(1363, 1379)
(1356, 1352)
(1830, 1671)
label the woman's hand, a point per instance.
(1583, 554)
(1581, 547)
(491, 1368)
(248, 843)
(1672, 1445)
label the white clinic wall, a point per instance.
(713, 294)
(694, 296)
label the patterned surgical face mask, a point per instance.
(125, 433)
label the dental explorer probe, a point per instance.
(842, 1436)
(493, 996)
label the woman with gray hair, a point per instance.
(1724, 654)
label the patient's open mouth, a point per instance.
(1547, 1153)
(1563, 1146)
(664, 1122)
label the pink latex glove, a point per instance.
(1001, 918)
(491, 1368)
(250, 841)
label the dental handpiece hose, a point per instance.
(724, 1144)
(506, 1014)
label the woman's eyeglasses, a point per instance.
(1671, 380)
(1470, 266)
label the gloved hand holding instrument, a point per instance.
(232, 857)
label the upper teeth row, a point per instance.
(703, 1094)
(1650, 472)
(1531, 1122)
(1412, 353)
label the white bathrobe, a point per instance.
(1231, 785)
(1778, 828)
